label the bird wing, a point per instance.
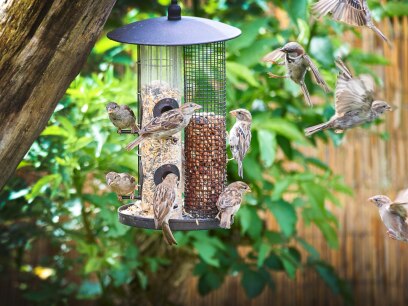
(319, 79)
(400, 210)
(352, 12)
(129, 110)
(274, 57)
(167, 121)
(402, 196)
(240, 140)
(352, 93)
(228, 198)
(164, 198)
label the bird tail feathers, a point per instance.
(225, 220)
(240, 169)
(316, 128)
(134, 143)
(381, 34)
(306, 94)
(167, 234)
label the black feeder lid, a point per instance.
(174, 30)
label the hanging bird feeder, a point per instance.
(180, 60)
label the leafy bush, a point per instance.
(58, 194)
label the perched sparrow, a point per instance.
(166, 125)
(122, 184)
(164, 198)
(240, 136)
(394, 215)
(353, 12)
(297, 63)
(229, 202)
(122, 117)
(354, 103)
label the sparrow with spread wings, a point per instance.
(354, 102)
(352, 12)
(394, 215)
(297, 63)
(166, 125)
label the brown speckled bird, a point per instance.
(122, 184)
(166, 125)
(240, 136)
(394, 215)
(297, 63)
(229, 202)
(354, 103)
(122, 117)
(164, 199)
(352, 12)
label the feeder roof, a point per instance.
(163, 32)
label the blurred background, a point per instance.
(306, 235)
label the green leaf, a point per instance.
(250, 221)
(54, 130)
(51, 179)
(94, 264)
(285, 215)
(143, 280)
(242, 72)
(253, 283)
(80, 143)
(209, 282)
(250, 31)
(282, 127)
(89, 289)
(396, 9)
(296, 9)
(267, 147)
(207, 252)
(264, 251)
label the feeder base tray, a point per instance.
(185, 224)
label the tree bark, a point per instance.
(43, 45)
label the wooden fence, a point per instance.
(375, 266)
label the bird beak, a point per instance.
(110, 111)
(249, 190)
(233, 113)
(391, 108)
(109, 182)
(197, 107)
(371, 200)
(284, 50)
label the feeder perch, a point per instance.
(180, 60)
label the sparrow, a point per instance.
(229, 202)
(354, 102)
(352, 12)
(166, 125)
(394, 215)
(297, 63)
(122, 184)
(240, 136)
(163, 203)
(122, 117)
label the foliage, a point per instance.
(58, 194)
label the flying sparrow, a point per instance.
(166, 125)
(297, 63)
(164, 198)
(394, 215)
(229, 202)
(240, 136)
(122, 184)
(352, 12)
(354, 103)
(122, 117)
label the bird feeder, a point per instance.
(180, 60)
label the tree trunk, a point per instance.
(43, 45)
